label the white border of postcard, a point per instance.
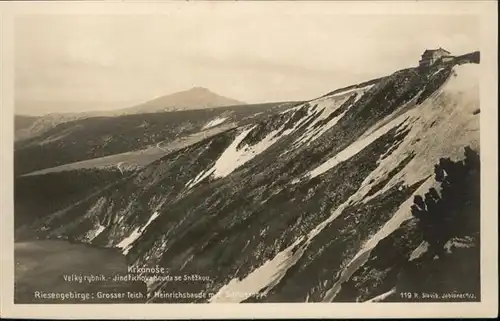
(487, 10)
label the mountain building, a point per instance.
(431, 56)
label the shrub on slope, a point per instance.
(446, 225)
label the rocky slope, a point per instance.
(328, 200)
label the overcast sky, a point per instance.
(89, 62)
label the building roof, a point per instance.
(430, 51)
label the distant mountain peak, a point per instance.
(199, 88)
(197, 97)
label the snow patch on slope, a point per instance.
(381, 297)
(326, 106)
(402, 214)
(264, 276)
(214, 122)
(447, 116)
(289, 110)
(256, 280)
(271, 272)
(229, 160)
(440, 127)
(419, 251)
(237, 157)
(458, 242)
(356, 147)
(312, 131)
(353, 90)
(234, 157)
(92, 234)
(126, 243)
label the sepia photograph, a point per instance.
(213, 154)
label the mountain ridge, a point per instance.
(190, 99)
(333, 199)
(194, 98)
